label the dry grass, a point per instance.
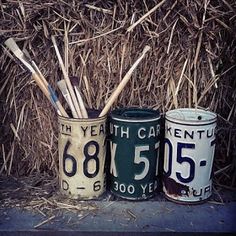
(192, 64)
(39, 193)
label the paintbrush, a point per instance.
(53, 95)
(75, 84)
(62, 86)
(47, 91)
(123, 82)
(66, 77)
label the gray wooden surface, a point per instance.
(114, 217)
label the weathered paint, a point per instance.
(189, 154)
(82, 150)
(134, 151)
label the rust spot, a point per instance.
(174, 188)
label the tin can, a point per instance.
(189, 154)
(82, 150)
(134, 152)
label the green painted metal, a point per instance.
(134, 149)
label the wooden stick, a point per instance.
(123, 82)
(68, 83)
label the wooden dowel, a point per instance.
(62, 86)
(81, 103)
(68, 83)
(123, 82)
(49, 94)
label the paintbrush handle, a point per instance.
(50, 95)
(81, 103)
(62, 86)
(40, 73)
(68, 83)
(123, 82)
(61, 109)
(54, 100)
(37, 75)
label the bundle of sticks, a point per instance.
(69, 85)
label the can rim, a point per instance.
(210, 117)
(130, 114)
(71, 119)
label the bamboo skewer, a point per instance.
(68, 83)
(123, 82)
(47, 90)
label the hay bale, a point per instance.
(192, 64)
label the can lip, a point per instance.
(135, 114)
(92, 113)
(191, 116)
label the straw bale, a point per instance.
(192, 64)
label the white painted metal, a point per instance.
(189, 154)
(82, 150)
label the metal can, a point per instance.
(82, 150)
(134, 152)
(189, 154)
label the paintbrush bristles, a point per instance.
(11, 44)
